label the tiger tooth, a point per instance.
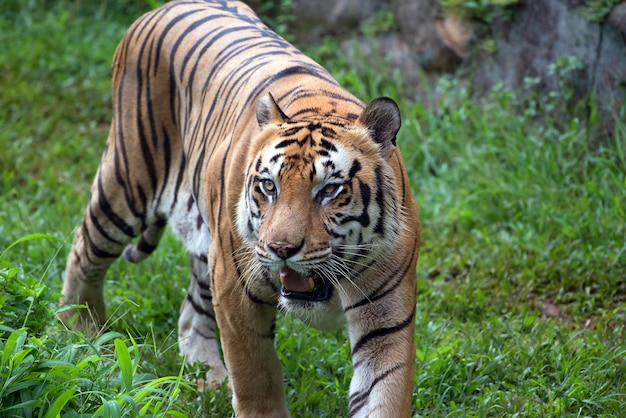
(311, 283)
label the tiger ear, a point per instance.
(267, 111)
(382, 118)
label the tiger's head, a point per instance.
(319, 205)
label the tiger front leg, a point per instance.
(247, 328)
(382, 336)
(197, 336)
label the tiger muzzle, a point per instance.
(285, 249)
(307, 287)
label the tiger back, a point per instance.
(286, 190)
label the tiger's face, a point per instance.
(315, 211)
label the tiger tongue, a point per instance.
(294, 281)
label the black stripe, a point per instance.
(364, 217)
(300, 68)
(143, 200)
(120, 155)
(182, 169)
(285, 143)
(95, 250)
(381, 332)
(380, 200)
(359, 399)
(356, 167)
(303, 93)
(199, 309)
(189, 27)
(110, 213)
(326, 144)
(241, 280)
(205, 336)
(402, 177)
(141, 130)
(164, 32)
(383, 290)
(306, 110)
(146, 247)
(94, 221)
(201, 284)
(292, 131)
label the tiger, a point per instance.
(288, 193)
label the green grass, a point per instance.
(522, 300)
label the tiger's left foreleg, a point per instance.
(382, 336)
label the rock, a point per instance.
(617, 19)
(456, 33)
(417, 23)
(540, 33)
(331, 17)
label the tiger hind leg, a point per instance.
(197, 335)
(98, 242)
(148, 242)
(84, 282)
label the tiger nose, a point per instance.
(284, 249)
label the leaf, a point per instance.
(57, 406)
(30, 237)
(176, 414)
(618, 205)
(14, 342)
(126, 366)
(110, 409)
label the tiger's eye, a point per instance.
(330, 189)
(268, 186)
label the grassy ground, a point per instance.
(522, 274)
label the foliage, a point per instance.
(486, 11)
(278, 15)
(521, 308)
(46, 369)
(483, 11)
(482, 14)
(382, 21)
(596, 10)
(24, 300)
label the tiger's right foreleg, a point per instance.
(197, 325)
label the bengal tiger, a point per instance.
(286, 190)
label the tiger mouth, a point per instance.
(303, 287)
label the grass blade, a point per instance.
(125, 364)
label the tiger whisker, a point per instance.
(356, 262)
(329, 275)
(358, 246)
(344, 271)
(246, 261)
